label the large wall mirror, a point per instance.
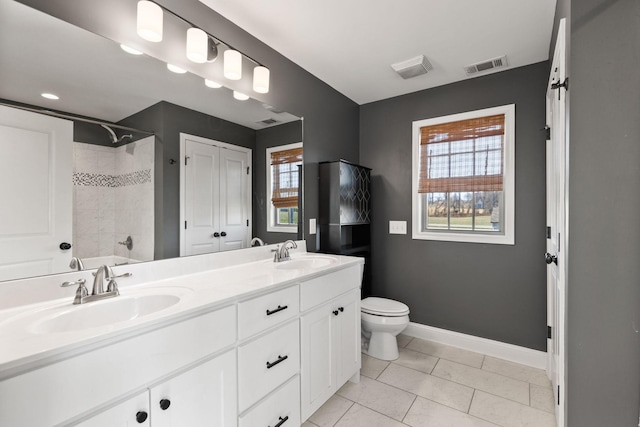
(126, 178)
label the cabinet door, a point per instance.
(202, 396)
(317, 372)
(347, 345)
(133, 412)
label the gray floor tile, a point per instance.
(359, 416)
(508, 413)
(380, 397)
(424, 412)
(331, 411)
(517, 371)
(446, 352)
(416, 360)
(403, 340)
(483, 380)
(542, 398)
(433, 388)
(372, 367)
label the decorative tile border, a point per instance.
(104, 180)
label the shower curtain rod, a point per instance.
(76, 118)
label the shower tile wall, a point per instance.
(113, 199)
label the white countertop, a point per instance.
(23, 347)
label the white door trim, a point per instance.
(183, 143)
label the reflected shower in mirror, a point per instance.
(124, 156)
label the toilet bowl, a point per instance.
(382, 320)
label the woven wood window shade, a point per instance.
(462, 156)
(283, 164)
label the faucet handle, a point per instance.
(81, 292)
(79, 282)
(113, 286)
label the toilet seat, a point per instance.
(383, 307)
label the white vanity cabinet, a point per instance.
(202, 396)
(330, 334)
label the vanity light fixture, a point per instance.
(176, 69)
(261, 79)
(149, 22)
(50, 96)
(212, 84)
(232, 64)
(240, 96)
(130, 50)
(197, 45)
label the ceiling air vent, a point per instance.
(490, 64)
(267, 122)
(413, 67)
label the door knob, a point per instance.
(549, 258)
(224, 233)
(65, 246)
(216, 234)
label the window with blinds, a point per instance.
(284, 175)
(460, 170)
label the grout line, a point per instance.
(345, 412)
(409, 410)
(473, 395)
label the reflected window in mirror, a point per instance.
(283, 170)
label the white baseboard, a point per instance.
(513, 353)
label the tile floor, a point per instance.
(433, 385)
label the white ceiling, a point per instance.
(351, 44)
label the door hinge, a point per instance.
(247, 170)
(185, 225)
(547, 131)
(558, 395)
(548, 232)
(186, 159)
(558, 85)
(548, 331)
(558, 242)
(247, 223)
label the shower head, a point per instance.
(114, 137)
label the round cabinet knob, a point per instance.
(336, 312)
(141, 417)
(341, 309)
(164, 404)
(65, 246)
(216, 234)
(224, 233)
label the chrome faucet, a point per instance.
(103, 273)
(257, 240)
(282, 252)
(76, 264)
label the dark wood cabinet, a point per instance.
(345, 212)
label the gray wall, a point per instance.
(491, 291)
(603, 313)
(168, 121)
(287, 133)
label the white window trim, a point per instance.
(271, 220)
(508, 223)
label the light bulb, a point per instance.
(197, 45)
(130, 50)
(176, 69)
(232, 65)
(240, 96)
(149, 22)
(50, 96)
(261, 79)
(212, 84)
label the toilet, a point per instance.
(382, 320)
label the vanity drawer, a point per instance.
(316, 291)
(283, 406)
(267, 362)
(259, 314)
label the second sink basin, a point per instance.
(305, 263)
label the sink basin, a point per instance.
(305, 263)
(102, 313)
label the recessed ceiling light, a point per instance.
(130, 50)
(212, 84)
(50, 96)
(240, 96)
(176, 69)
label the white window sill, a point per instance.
(466, 237)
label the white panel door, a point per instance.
(201, 198)
(203, 396)
(234, 217)
(36, 191)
